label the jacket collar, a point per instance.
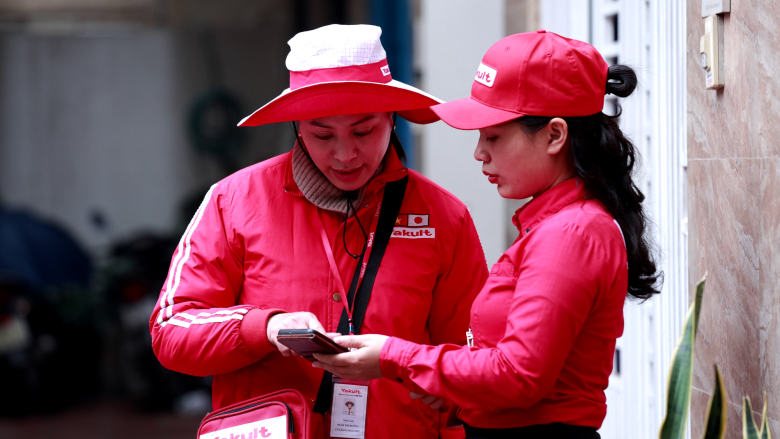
(549, 203)
(393, 170)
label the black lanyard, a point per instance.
(391, 206)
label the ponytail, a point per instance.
(603, 159)
(621, 81)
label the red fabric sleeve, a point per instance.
(557, 284)
(455, 290)
(196, 326)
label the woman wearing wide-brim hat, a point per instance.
(544, 325)
(284, 244)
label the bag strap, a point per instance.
(391, 206)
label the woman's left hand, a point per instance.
(360, 364)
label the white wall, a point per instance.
(569, 18)
(651, 39)
(89, 124)
(94, 120)
(452, 37)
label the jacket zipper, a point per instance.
(294, 193)
(290, 425)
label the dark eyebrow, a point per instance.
(317, 124)
(322, 125)
(367, 118)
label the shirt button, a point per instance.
(527, 231)
(337, 297)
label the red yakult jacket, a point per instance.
(254, 249)
(544, 324)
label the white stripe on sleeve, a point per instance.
(182, 255)
(201, 321)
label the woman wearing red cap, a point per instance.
(545, 323)
(289, 243)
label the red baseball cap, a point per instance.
(538, 74)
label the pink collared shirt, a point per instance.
(544, 324)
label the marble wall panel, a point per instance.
(698, 408)
(713, 127)
(726, 231)
(740, 120)
(769, 257)
(734, 211)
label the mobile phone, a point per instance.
(308, 341)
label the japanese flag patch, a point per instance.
(413, 226)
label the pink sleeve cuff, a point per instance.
(394, 359)
(254, 332)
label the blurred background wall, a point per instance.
(116, 116)
(453, 36)
(95, 99)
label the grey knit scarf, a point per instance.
(318, 189)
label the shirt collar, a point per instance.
(549, 203)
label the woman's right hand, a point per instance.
(434, 402)
(291, 320)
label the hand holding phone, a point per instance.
(308, 341)
(292, 320)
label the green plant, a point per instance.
(716, 410)
(678, 395)
(678, 399)
(749, 428)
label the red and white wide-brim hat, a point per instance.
(340, 69)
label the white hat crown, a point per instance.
(335, 45)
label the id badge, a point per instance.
(348, 411)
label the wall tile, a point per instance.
(699, 401)
(715, 133)
(774, 426)
(734, 205)
(769, 255)
(724, 233)
(734, 419)
(741, 119)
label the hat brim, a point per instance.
(470, 114)
(346, 97)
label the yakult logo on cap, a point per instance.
(486, 75)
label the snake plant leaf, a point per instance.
(678, 395)
(716, 410)
(749, 428)
(697, 302)
(765, 433)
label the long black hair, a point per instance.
(603, 159)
